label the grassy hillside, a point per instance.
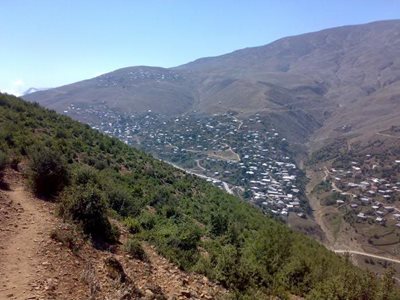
(192, 223)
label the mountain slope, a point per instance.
(195, 225)
(135, 89)
(346, 76)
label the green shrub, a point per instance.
(219, 224)
(3, 163)
(87, 206)
(132, 225)
(84, 175)
(114, 234)
(120, 201)
(135, 249)
(147, 220)
(15, 162)
(188, 237)
(67, 236)
(100, 164)
(49, 173)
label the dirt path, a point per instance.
(397, 261)
(388, 135)
(18, 261)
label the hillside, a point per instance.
(43, 258)
(346, 77)
(193, 224)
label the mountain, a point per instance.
(33, 90)
(318, 83)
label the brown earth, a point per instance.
(38, 262)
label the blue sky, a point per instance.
(47, 43)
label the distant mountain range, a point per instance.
(33, 90)
(340, 82)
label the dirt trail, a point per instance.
(388, 135)
(397, 261)
(18, 261)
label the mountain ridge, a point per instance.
(337, 77)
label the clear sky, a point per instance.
(47, 43)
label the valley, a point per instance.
(305, 128)
(248, 158)
(353, 206)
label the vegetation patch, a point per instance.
(135, 250)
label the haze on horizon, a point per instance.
(47, 43)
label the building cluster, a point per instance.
(133, 76)
(371, 194)
(247, 156)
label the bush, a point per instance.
(49, 173)
(114, 234)
(135, 249)
(120, 201)
(85, 175)
(132, 225)
(86, 206)
(188, 237)
(147, 220)
(14, 163)
(67, 236)
(219, 224)
(3, 163)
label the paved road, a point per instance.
(397, 261)
(200, 166)
(226, 186)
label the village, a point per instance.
(369, 189)
(247, 157)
